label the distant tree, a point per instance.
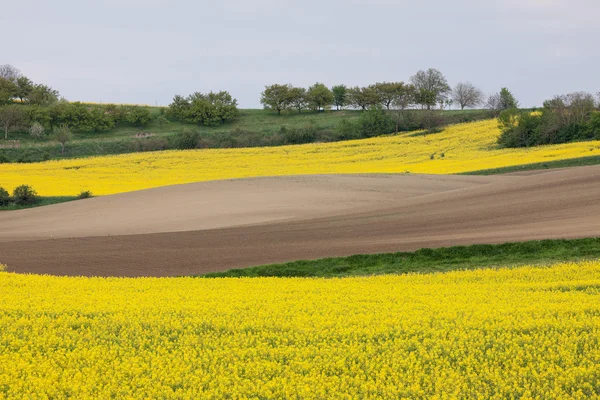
(431, 87)
(297, 98)
(99, 119)
(466, 95)
(62, 135)
(138, 116)
(362, 97)
(25, 195)
(43, 95)
(572, 108)
(8, 90)
(36, 130)
(339, 96)
(11, 116)
(388, 92)
(213, 108)
(276, 97)
(24, 88)
(319, 96)
(404, 100)
(9, 73)
(501, 101)
(507, 100)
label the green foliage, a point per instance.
(362, 97)
(431, 260)
(391, 93)
(24, 88)
(298, 98)
(374, 122)
(431, 87)
(507, 100)
(8, 90)
(138, 116)
(24, 195)
(563, 119)
(306, 134)
(85, 194)
(210, 109)
(276, 97)
(4, 197)
(339, 96)
(319, 96)
(11, 116)
(187, 139)
(347, 130)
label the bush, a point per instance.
(347, 130)
(31, 156)
(86, 194)
(187, 140)
(25, 195)
(4, 197)
(307, 134)
(150, 144)
(375, 122)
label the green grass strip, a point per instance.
(572, 162)
(430, 260)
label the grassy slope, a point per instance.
(431, 260)
(251, 124)
(573, 162)
(44, 201)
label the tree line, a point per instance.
(564, 118)
(425, 90)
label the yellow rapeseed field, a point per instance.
(460, 148)
(531, 332)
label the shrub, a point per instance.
(374, 122)
(307, 134)
(346, 130)
(4, 197)
(187, 140)
(86, 194)
(36, 130)
(25, 195)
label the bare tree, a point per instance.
(11, 117)
(572, 108)
(466, 95)
(9, 73)
(62, 134)
(36, 130)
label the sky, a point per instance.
(147, 51)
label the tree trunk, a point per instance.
(62, 151)
(5, 133)
(278, 111)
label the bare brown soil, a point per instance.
(213, 226)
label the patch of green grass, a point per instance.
(573, 162)
(430, 260)
(43, 201)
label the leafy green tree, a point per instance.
(209, 109)
(276, 97)
(138, 116)
(24, 88)
(362, 97)
(389, 92)
(11, 116)
(319, 96)
(339, 96)
(298, 98)
(43, 95)
(62, 135)
(507, 100)
(431, 87)
(8, 90)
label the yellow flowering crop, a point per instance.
(459, 148)
(530, 332)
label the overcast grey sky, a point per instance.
(146, 51)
